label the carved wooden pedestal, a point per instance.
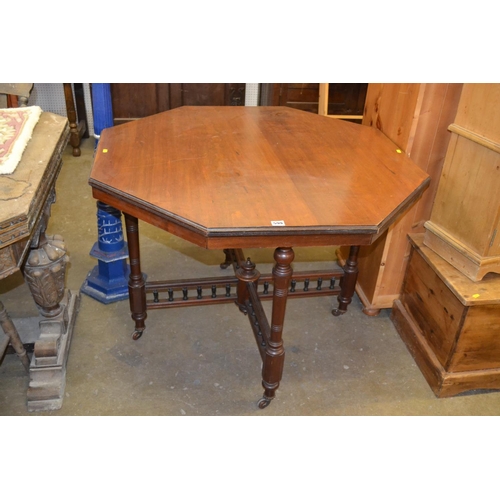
(25, 200)
(48, 364)
(44, 272)
(52, 340)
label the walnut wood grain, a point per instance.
(227, 172)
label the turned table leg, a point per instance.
(73, 120)
(274, 357)
(136, 283)
(10, 330)
(245, 274)
(348, 281)
(228, 259)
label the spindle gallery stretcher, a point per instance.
(252, 177)
(219, 290)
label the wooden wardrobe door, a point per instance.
(136, 100)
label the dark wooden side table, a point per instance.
(77, 115)
(247, 177)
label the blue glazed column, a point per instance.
(108, 281)
(102, 108)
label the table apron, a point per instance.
(219, 241)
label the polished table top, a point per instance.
(255, 176)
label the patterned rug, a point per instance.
(16, 127)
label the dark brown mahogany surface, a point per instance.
(213, 173)
(246, 177)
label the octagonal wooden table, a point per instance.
(251, 177)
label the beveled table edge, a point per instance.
(250, 236)
(127, 203)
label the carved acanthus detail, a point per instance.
(45, 272)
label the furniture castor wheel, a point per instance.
(337, 312)
(264, 402)
(137, 334)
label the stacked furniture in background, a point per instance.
(448, 313)
(415, 117)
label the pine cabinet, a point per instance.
(415, 116)
(464, 227)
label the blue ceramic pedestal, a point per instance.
(108, 281)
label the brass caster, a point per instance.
(264, 402)
(137, 334)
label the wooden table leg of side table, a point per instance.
(274, 358)
(136, 283)
(10, 330)
(73, 120)
(348, 281)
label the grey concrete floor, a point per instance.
(203, 360)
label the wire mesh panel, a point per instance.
(50, 97)
(252, 94)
